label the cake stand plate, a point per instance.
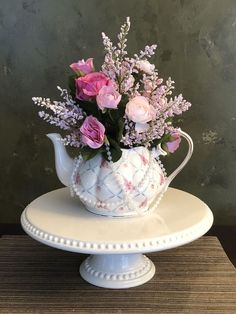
(116, 245)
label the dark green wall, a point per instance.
(197, 47)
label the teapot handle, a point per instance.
(186, 159)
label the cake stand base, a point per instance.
(117, 271)
(116, 245)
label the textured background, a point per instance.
(197, 48)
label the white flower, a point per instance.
(145, 66)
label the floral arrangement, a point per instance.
(125, 104)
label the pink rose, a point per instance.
(174, 142)
(88, 86)
(92, 132)
(140, 111)
(83, 67)
(108, 97)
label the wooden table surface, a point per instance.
(195, 278)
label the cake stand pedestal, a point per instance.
(116, 245)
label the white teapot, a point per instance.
(131, 186)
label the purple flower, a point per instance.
(92, 132)
(83, 67)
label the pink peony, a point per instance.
(88, 86)
(174, 142)
(108, 97)
(83, 67)
(92, 132)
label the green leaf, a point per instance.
(88, 152)
(165, 138)
(71, 84)
(137, 76)
(121, 125)
(170, 119)
(155, 142)
(111, 115)
(116, 154)
(90, 108)
(122, 105)
(115, 149)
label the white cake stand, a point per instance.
(116, 244)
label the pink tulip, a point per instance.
(108, 97)
(83, 67)
(88, 86)
(92, 132)
(174, 142)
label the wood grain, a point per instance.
(195, 278)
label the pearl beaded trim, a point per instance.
(145, 245)
(143, 268)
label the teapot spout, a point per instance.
(64, 164)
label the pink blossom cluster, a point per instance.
(150, 103)
(129, 85)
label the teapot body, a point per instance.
(128, 187)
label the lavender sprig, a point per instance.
(66, 114)
(148, 52)
(124, 30)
